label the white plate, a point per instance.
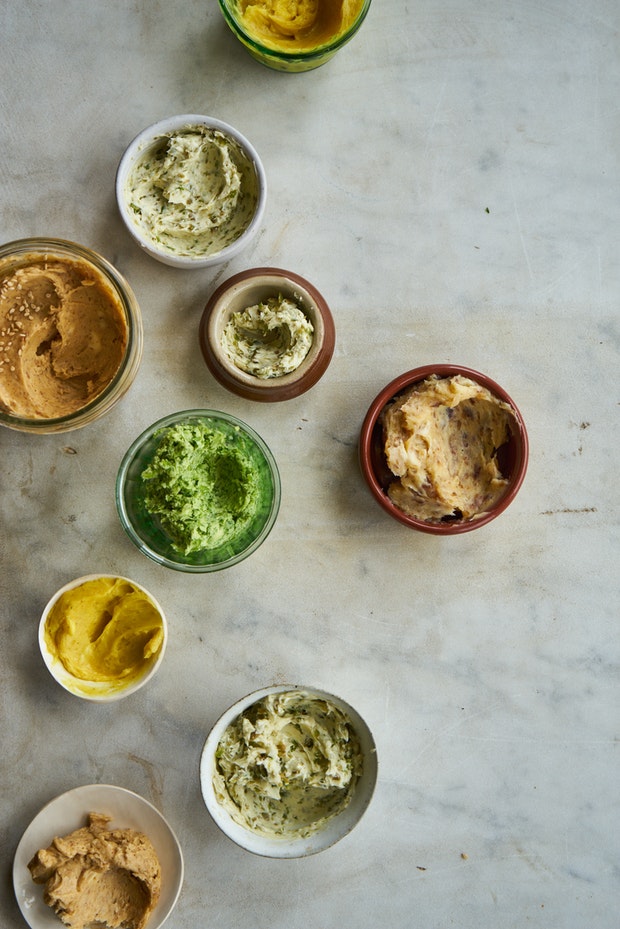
(69, 811)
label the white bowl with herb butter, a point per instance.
(288, 771)
(191, 190)
(267, 334)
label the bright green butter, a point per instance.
(203, 485)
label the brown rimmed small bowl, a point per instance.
(512, 457)
(246, 289)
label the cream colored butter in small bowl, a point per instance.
(288, 771)
(443, 449)
(102, 637)
(267, 334)
(191, 190)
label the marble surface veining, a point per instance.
(450, 184)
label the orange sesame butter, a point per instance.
(63, 335)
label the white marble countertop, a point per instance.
(450, 184)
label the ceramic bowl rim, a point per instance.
(397, 386)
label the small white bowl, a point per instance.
(335, 829)
(152, 136)
(98, 691)
(69, 811)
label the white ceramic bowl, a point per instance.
(334, 830)
(68, 812)
(153, 136)
(98, 691)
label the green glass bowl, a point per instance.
(291, 61)
(145, 529)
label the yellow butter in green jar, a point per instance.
(297, 25)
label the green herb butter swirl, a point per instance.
(194, 192)
(288, 764)
(269, 339)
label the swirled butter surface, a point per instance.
(288, 764)
(63, 335)
(104, 630)
(297, 25)
(442, 439)
(268, 339)
(204, 484)
(193, 192)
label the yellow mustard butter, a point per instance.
(298, 25)
(441, 442)
(105, 630)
